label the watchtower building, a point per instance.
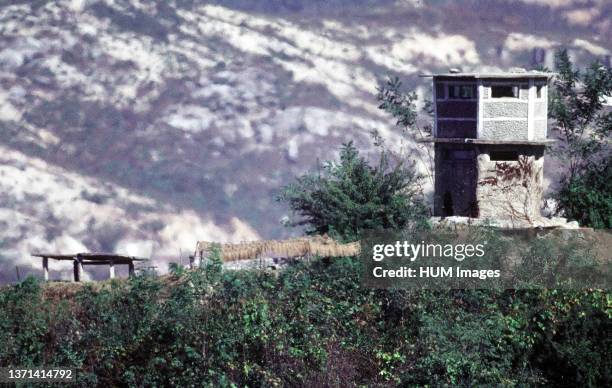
(490, 133)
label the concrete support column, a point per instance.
(479, 110)
(45, 264)
(435, 106)
(531, 110)
(131, 268)
(111, 270)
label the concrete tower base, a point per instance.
(494, 181)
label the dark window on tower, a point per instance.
(463, 92)
(539, 91)
(499, 91)
(503, 156)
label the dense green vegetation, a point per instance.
(587, 197)
(310, 325)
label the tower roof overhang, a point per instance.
(517, 142)
(493, 75)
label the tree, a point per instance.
(402, 107)
(345, 198)
(584, 125)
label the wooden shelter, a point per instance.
(81, 259)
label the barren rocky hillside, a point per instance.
(142, 126)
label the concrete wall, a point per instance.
(540, 117)
(539, 129)
(540, 110)
(504, 130)
(493, 109)
(516, 199)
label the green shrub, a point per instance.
(347, 197)
(587, 197)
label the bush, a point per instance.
(347, 197)
(587, 197)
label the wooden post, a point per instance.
(45, 264)
(81, 272)
(75, 270)
(131, 268)
(194, 261)
(111, 269)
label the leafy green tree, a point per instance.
(347, 197)
(401, 105)
(584, 125)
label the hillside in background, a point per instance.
(141, 127)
